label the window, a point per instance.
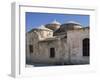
(30, 48)
(86, 47)
(65, 36)
(52, 52)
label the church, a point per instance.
(58, 44)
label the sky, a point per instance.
(34, 20)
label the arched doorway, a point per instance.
(86, 47)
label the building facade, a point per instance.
(57, 43)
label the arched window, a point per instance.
(86, 47)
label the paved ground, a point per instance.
(30, 64)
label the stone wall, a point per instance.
(75, 41)
(67, 50)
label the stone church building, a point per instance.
(57, 43)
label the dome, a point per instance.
(55, 22)
(70, 25)
(73, 22)
(53, 25)
(42, 27)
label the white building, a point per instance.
(57, 43)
